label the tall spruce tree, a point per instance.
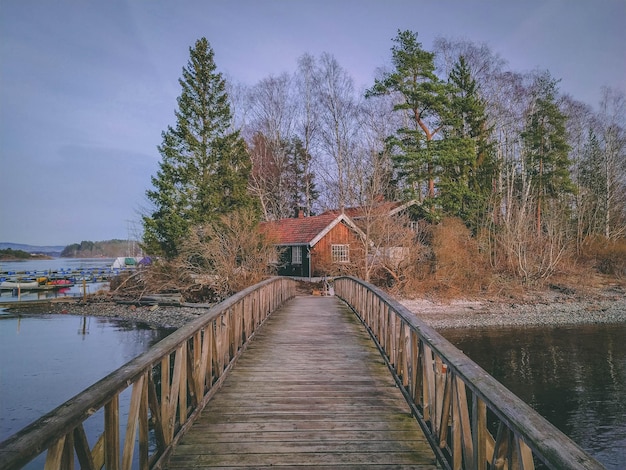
(205, 167)
(546, 148)
(469, 178)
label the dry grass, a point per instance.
(454, 265)
(607, 256)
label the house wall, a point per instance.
(288, 269)
(321, 259)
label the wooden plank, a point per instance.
(479, 433)
(67, 461)
(165, 398)
(55, 453)
(310, 390)
(144, 432)
(132, 423)
(304, 460)
(82, 449)
(464, 419)
(97, 452)
(112, 433)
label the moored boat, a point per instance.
(22, 285)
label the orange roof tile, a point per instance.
(297, 231)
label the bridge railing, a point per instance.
(169, 385)
(471, 420)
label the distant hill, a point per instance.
(54, 251)
(84, 249)
(106, 249)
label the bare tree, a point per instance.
(271, 121)
(372, 181)
(238, 100)
(272, 110)
(581, 125)
(306, 125)
(227, 255)
(338, 129)
(613, 133)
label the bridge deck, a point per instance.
(312, 391)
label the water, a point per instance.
(55, 264)
(47, 359)
(39, 267)
(573, 376)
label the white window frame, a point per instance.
(296, 255)
(340, 253)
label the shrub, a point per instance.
(607, 256)
(458, 266)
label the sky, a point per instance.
(87, 87)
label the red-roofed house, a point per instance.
(315, 246)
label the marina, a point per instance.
(91, 270)
(45, 280)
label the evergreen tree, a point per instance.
(418, 148)
(305, 193)
(546, 149)
(468, 180)
(204, 169)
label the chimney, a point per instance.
(300, 214)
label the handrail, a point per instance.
(454, 400)
(171, 383)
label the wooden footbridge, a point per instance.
(268, 379)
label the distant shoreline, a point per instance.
(30, 258)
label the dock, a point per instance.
(311, 390)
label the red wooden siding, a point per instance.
(321, 260)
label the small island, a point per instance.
(20, 255)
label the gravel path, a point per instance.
(544, 310)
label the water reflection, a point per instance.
(573, 376)
(47, 359)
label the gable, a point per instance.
(305, 230)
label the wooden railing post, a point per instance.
(112, 433)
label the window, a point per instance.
(340, 253)
(296, 255)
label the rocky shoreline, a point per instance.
(481, 314)
(154, 315)
(543, 310)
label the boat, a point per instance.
(22, 285)
(126, 262)
(60, 283)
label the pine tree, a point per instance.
(546, 149)
(419, 151)
(205, 167)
